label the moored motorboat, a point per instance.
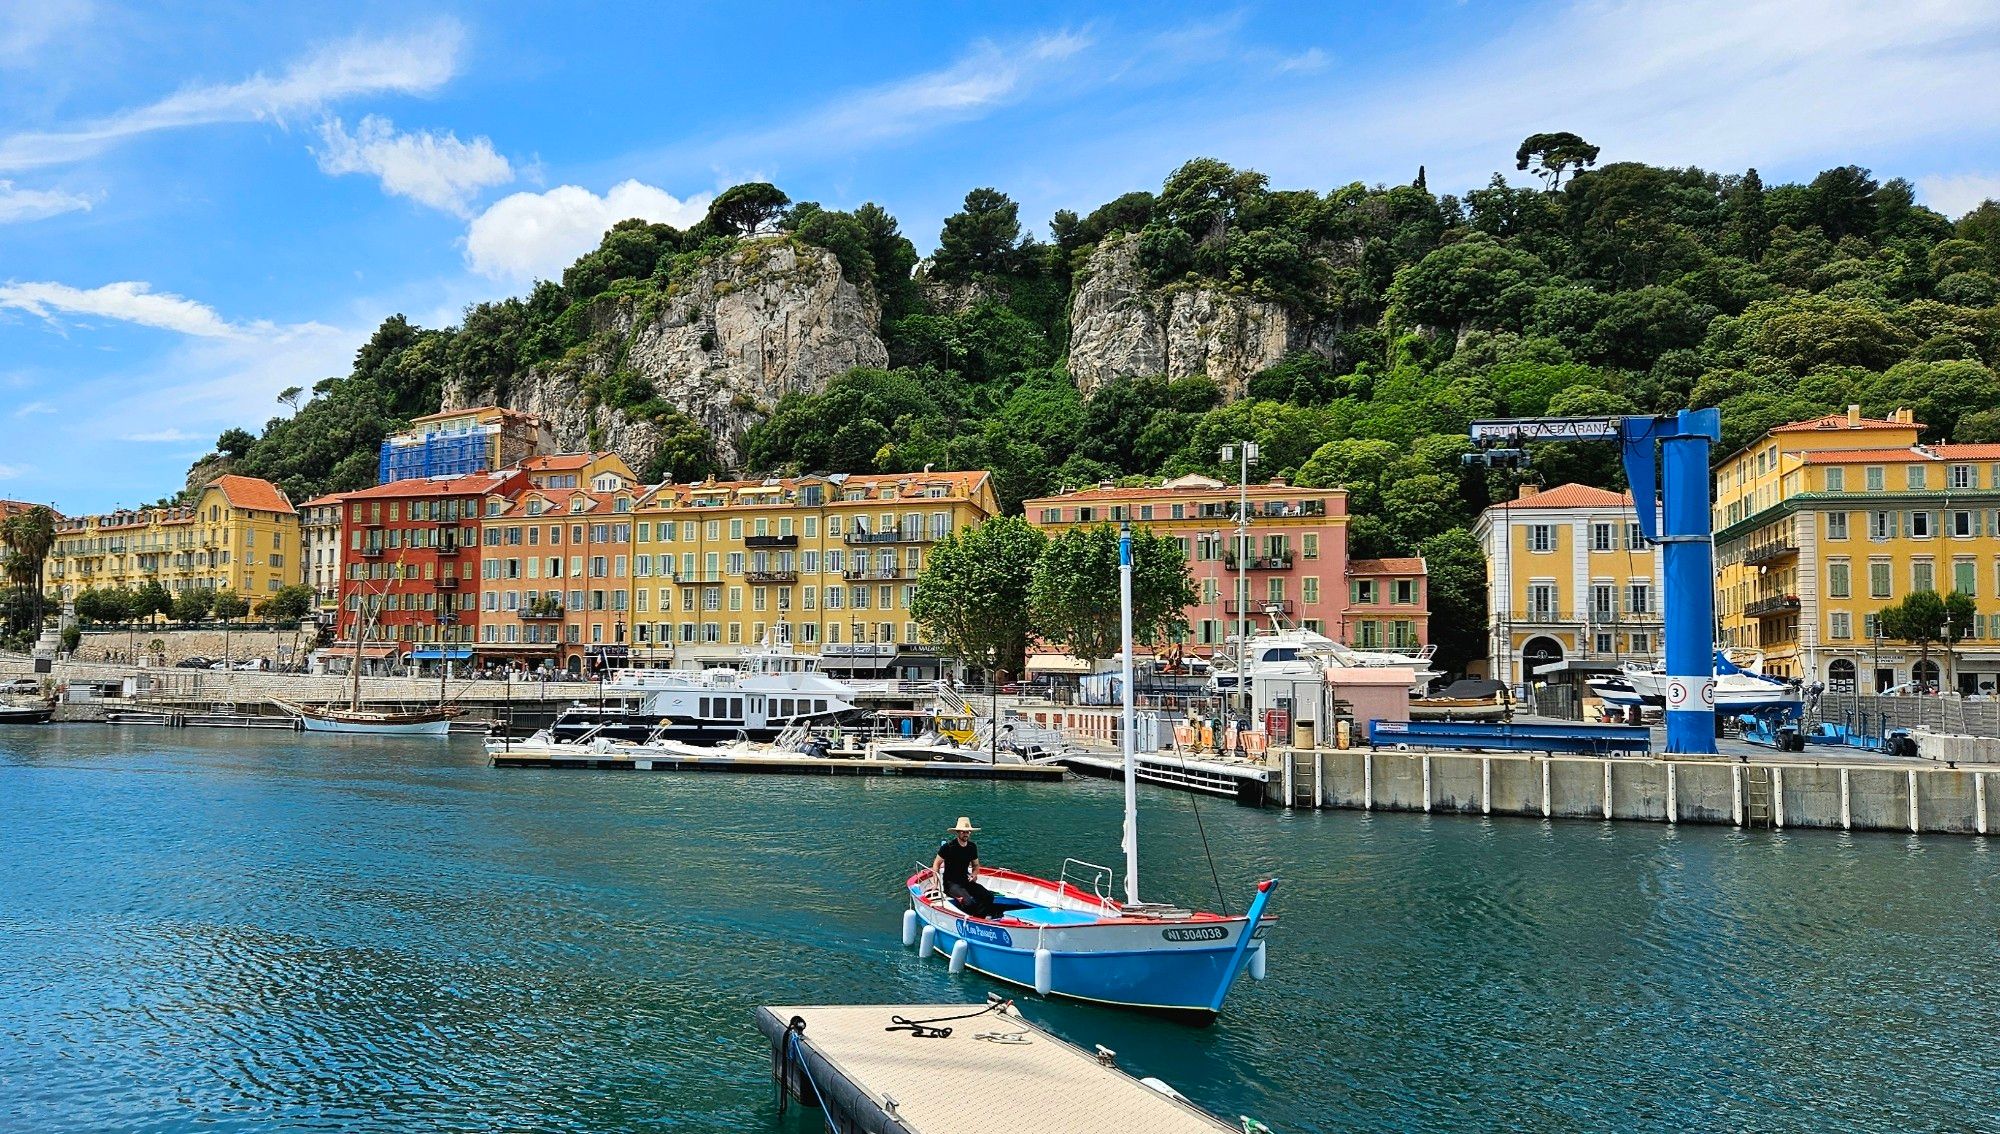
(30, 712)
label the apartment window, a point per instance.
(1838, 583)
(1836, 525)
(1600, 537)
(1403, 592)
(1603, 643)
(1309, 588)
(1052, 515)
(1642, 643)
(1878, 579)
(1963, 577)
(1871, 625)
(1634, 539)
(1920, 525)
(1541, 537)
(1881, 525)
(1836, 480)
(1309, 545)
(1840, 624)
(1964, 476)
(1362, 592)
(1641, 597)
(1923, 576)
(1875, 478)
(1603, 602)
(1964, 525)
(1542, 602)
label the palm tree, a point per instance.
(28, 537)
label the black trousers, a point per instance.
(971, 897)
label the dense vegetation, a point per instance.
(1608, 288)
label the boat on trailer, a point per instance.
(1073, 939)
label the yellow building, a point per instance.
(1568, 579)
(242, 535)
(1820, 524)
(829, 563)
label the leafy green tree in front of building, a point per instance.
(1072, 595)
(973, 595)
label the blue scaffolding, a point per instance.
(457, 454)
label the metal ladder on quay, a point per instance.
(1757, 809)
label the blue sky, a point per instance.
(203, 205)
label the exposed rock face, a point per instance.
(770, 317)
(1123, 327)
(204, 473)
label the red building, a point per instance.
(410, 566)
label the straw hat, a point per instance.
(964, 824)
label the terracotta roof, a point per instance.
(962, 484)
(503, 413)
(476, 484)
(1407, 565)
(251, 492)
(555, 461)
(1566, 496)
(323, 501)
(1162, 492)
(1985, 452)
(1835, 421)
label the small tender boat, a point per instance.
(1072, 939)
(1470, 699)
(33, 712)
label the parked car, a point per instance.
(251, 665)
(195, 662)
(20, 687)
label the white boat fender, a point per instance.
(927, 942)
(909, 928)
(1045, 971)
(1162, 1087)
(1258, 964)
(959, 949)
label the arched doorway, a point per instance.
(574, 665)
(1537, 652)
(1840, 676)
(1925, 675)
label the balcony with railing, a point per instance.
(371, 551)
(768, 578)
(1258, 563)
(891, 536)
(696, 578)
(448, 548)
(1772, 607)
(885, 574)
(1770, 552)
(758, 542)
(448, 583)
(542, 612)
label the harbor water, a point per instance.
(241, 932)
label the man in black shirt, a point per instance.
(957, 870)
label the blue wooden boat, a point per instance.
(1070, 938)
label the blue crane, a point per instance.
(1666, 462)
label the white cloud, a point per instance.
(34, 204)
(33, 408)
(1957, 194)
(1307, 61)
(131, 301)
(1720, 83)
(991, 75)
(411, 64)
(9, 472)
(527, 236)
(160, 435)
(430, 168)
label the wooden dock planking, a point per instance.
(785, 765)
(965, 1085)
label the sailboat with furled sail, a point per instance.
(1071, 938)
(355, 718)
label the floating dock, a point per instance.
(995, 1072)
(1244, 781)
(778, 764)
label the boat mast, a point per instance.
(1125, 714)
(360, 632)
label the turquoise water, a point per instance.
(231, 932)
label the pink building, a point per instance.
(1295, 564)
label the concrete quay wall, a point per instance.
(1826, 795)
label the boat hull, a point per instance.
(14, 714)
(1183, 967)
(379, 728)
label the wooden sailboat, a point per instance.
(1070, 937)
(392, 722)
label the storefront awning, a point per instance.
(346, 650)
(855, 663)
(433, 655)
(1057, 663)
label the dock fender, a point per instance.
(1045, 971)
(959, 949)
(909, 928)
(927, 943)
(1258, 965)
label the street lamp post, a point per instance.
(1244, 453)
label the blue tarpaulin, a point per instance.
(432, 655)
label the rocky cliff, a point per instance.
(1122, 326)
(766, 318)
